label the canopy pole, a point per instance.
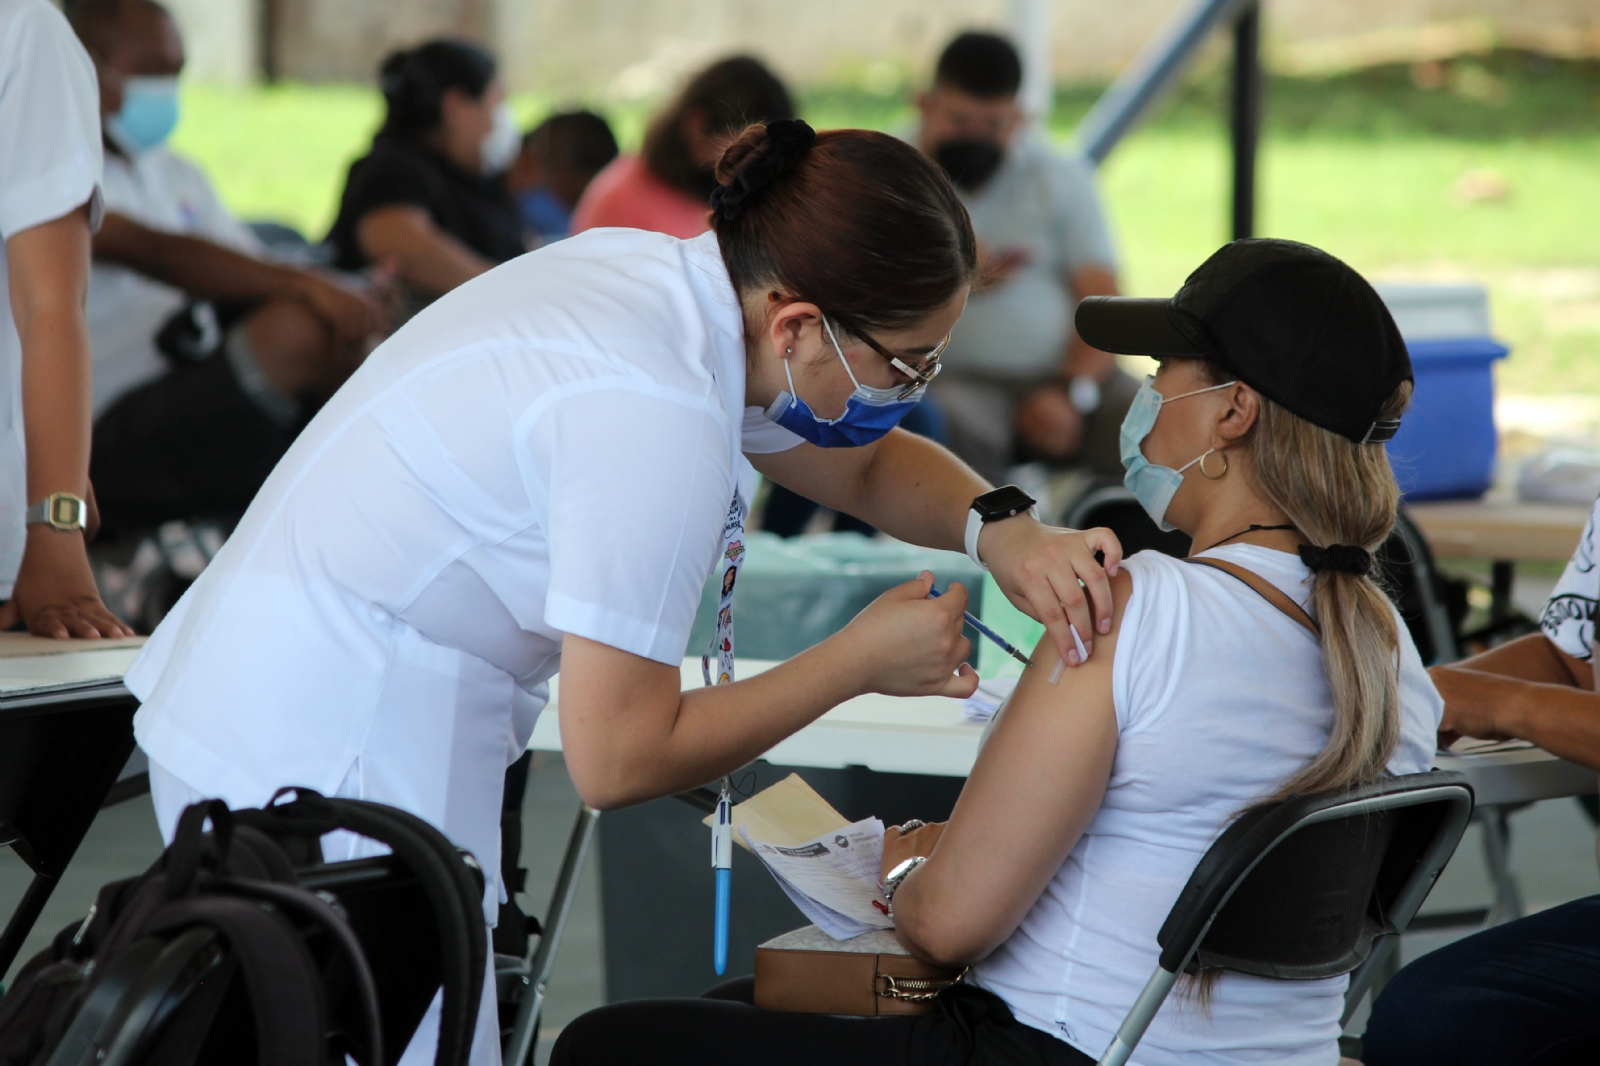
(1246, 117)
(1030, 31)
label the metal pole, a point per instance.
(1156, 67)
(1246, 114)
(1030, 31)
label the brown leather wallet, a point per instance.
(809, 972)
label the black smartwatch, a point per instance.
(1007, 501)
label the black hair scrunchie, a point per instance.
(790, 139)
(1341, 558)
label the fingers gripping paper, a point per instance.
(828, 866)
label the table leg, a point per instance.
(1497, 854)
(1502, 575)
(34, 897)
(518, 1050)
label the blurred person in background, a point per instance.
(667, 186)
(1020, 385)
(50, 203)
(559, 158)
(208, 357)
(430, 197)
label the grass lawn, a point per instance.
(1493, 176)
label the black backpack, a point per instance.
(239, 946)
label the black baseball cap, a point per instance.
(1289, 320)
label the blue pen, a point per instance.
(991, 634)
(722, 863)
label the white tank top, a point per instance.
(1220, 698)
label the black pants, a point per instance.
(1526, 993)
(189, 445)
(971, 1027)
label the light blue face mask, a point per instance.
(1154, 486)
(868, 414)
(149, 113)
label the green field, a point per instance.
(1494, 175)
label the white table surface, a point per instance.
(23, 674)
(927, 735)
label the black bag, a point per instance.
(213, 955)
(150, 974)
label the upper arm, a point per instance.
(1535, 658)
(604, 692)
(50, 147)
(1037, 784)
(830, 476)
(49, 267)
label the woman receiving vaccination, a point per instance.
(541, 470)
(1267, 663)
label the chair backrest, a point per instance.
(1302, 888)
(1114, 507)
(1305, 887)
(1418, 591)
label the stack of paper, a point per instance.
(829, 867)
(992, 694)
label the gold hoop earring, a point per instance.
(1206, 473)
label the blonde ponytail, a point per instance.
(1338, 492)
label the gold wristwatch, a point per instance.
(62, 510)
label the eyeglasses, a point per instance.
(920, 376)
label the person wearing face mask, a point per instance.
(1022, 385)
(208, 356)
(1268, 663)
(430, 200)
(541, 471)
(666, 186)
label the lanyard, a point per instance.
(721, 648)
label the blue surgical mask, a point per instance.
(149, 113)
(1153, 486)
(868, 414)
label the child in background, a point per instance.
(559, 158)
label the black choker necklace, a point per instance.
(1248, 529)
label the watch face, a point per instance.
(1003, 502)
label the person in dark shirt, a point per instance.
(430, 198)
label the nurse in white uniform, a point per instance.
(541, 470)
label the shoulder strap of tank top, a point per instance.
(1269, 592)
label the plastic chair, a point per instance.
(1308, 888)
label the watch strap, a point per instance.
(974, 527)
(62, 510)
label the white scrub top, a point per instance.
(550, 448)
(49, 167)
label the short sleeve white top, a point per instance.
(548, 449)
(165, 192)
(1568, 616)
(1220, 698)
(49, 167)
(1043, 204)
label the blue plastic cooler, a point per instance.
(1447, 441)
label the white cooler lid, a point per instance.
(1437, 312)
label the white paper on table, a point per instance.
(833, 878)
(992, 692)
(1478, 746)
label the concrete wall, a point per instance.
(624, 49)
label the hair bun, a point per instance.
(1340, 558)
(753, 162)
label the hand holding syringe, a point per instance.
(1006, 646)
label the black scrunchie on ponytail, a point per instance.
(789, 139)
(1341, 558)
